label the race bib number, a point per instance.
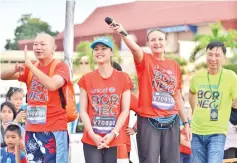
(103, 125)
(36, 114)
(162, 101)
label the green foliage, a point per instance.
(178, 59)
(27, 29)
(232, 67)
(183, 71)
(201, 65)
(229, 39)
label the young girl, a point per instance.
(105, 101)
(15, 96)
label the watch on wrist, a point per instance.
(185, 123)
(115, 133)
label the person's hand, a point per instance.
(106, 140)
(19, 68)
(188, 132)
(20, 116)
(27, 59)
(130, 131)
(96, 138)
(117, 29)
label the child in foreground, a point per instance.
(11, 153)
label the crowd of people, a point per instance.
(166, 131)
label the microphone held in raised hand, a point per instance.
(110, 21)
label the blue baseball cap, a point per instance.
(103, 40)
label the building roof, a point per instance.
(142, 15)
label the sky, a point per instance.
(50, 11)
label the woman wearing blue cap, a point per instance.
(105, 102)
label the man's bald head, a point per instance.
(45, 37)
(44, 46)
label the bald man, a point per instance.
(46, 137)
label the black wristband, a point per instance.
(185, 123)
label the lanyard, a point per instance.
(218, 82)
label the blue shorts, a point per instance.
(49, 147)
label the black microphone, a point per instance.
(110, 21)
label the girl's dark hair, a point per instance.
(117, 66)
(11, 106)
(11, 91)
(156, 29)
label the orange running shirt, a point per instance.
(56, 118)
(104, 102)
(156, 76)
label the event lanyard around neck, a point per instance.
(209, 84)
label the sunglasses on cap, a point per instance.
(13, 90)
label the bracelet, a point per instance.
(115, 133)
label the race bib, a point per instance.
(36, 114)
(103, 125)
(214, 111)
(162, 101)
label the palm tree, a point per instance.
(229, 38)
(83, 49)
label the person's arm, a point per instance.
(51, 83)
(234, 92)
(131, 44)
(180, 105)
(12, 73)
(18, 153)
(124, 110)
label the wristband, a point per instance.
(185, 123)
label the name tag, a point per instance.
(162, 101)
(103, 125)
(36, 114)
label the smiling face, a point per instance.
(102, 54)
(44, 46)
(215, 58)
(157, 41)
